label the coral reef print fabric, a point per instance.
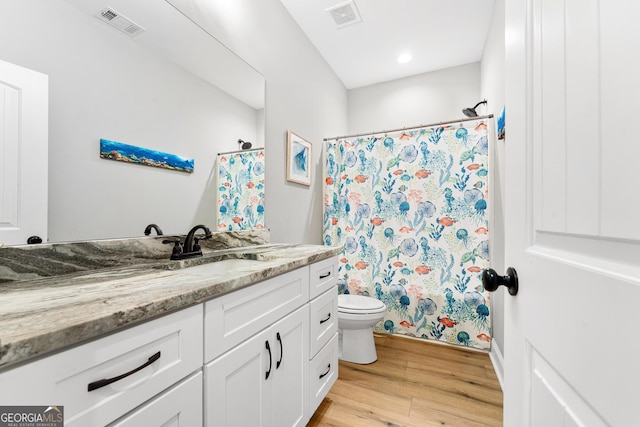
(241, 191)
(410, 210)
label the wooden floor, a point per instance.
(414, 383)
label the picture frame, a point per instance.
(501, 124)
(299, 159)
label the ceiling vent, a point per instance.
(344, 14)
(118, 21)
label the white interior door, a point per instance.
(573, 213)
(23, 154)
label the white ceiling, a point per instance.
(437, 33)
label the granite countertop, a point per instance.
(43, 313)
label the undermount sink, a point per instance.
(230, 265)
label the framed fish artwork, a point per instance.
(500, 121)
(299, 159)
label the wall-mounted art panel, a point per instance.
(114, 150)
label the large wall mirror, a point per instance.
(173, 88)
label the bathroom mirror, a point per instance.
(172, 87)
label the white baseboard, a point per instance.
(498, 363)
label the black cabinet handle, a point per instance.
(268, 348)
(324, 276)
(326, 373)
(281, 354)
(101, 383)
(326, 320)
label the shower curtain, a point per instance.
(240, 194)
(410, 211)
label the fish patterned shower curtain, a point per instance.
(410, 210)
(240, 190)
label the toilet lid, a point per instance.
(359, 304)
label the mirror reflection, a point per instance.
(171, 87)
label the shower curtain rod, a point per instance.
(240, 151)
(412, 127)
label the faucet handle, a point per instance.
(177, 248)
(196, 246)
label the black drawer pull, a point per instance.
(101, 383)
(324, 276)
(326, 320)
(326, 373)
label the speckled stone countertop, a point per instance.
(43, 311)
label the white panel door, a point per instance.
(23, 154)
(573, 213)
(238, 385)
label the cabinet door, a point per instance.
(290, 380)
(237, 391)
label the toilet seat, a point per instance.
(359, 304)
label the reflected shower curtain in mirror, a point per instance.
(240, 190)
(410, 210)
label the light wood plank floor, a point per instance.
(414, 383)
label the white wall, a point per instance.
(303, 94)
(102, 84)
(493, 89)
(423, 99)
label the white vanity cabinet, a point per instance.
(261, 343)
(257, 345)
(264, 355)
(161, 352)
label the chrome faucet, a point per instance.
(149, 227)
(190, 248)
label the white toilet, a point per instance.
(356, 316)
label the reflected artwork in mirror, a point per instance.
(114, 150)
(240, 190)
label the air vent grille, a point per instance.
(344, 14)
(108, 14)
(118, 21)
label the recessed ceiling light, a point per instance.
(404, 58)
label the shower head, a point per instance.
(471, 112)
(245, 145)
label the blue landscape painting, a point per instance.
(114, 150)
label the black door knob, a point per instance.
(491, 280)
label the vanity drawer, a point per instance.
(179, 406)
(323, 319)
(322, 276)
(63, 379)
(323, 373)
(234, 317)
